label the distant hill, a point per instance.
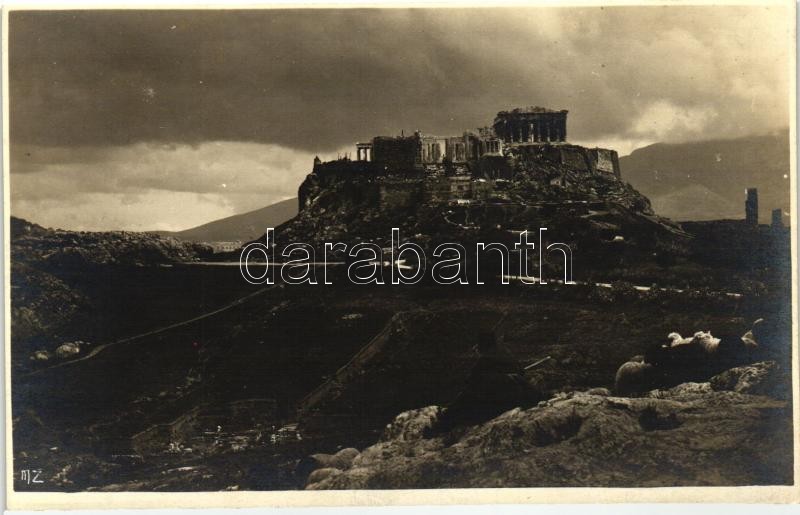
(706, 180)
(243, 227)
(33, 244)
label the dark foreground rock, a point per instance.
(693, 434)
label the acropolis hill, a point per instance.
(468, 168)
(518, 174)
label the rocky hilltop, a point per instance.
(560, 187)
(487, 185)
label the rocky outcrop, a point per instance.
(755, 379)
(31, 243)
(412, 425)
(50, 269)
(597, 214)
(698, 434)
(40, 301)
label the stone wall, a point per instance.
(401, 194)
(589, 160)
(606, 160)
(575, 157)
(396, 154)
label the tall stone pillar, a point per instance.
(777, 217)
(751, 206)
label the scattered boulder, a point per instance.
(68, 350)
(40, 355)
(633, 377)
(341, 460)
(413, 424)
(313, 465)
(755, 379)
(322, 474)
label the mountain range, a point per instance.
(706, 180)
(242, 227)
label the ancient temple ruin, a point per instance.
(422, 149)
(529, 132)
(531, 125)
(473, 166)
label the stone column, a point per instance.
(751, 206)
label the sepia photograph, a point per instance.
(424, 252)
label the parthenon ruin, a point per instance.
(531, 125)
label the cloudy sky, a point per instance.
(168, 119)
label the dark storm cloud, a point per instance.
(321, 79)
(169, 119)
(300, 79)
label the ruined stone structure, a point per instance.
(421, 149)
(531, 125)
(544, 126)
(395, 154)
(364, 151)
(531, 133)
(590, 160)
(751, 206)
(777, 217)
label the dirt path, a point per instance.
(100, 348)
